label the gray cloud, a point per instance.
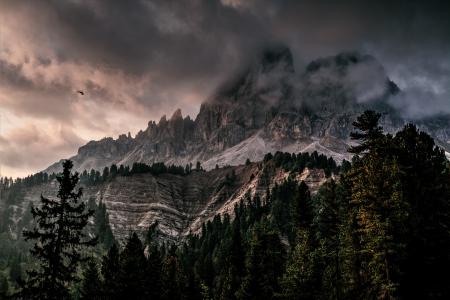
(137, 60)
(198, 43)
(40, 147)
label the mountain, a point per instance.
(179, 203)
(267, 107)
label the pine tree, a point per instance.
(91, 285)
(132, 276)
(173, 279)
(92, 177)
(265, 263)
(381, 210)
(328, 240)
(105, 174)
(382, 214)
(154, 264)
(425, 177)
(110, 271)
(301, 208)
(285, 204)
(304, 269)
(59, 240)
(369, 132)
(113, 170)
(102, 227)
(250, 287)
(234, 264)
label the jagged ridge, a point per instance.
(267, 108)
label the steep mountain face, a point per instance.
(180, 204)
(268, 107)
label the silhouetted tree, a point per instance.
(59, 240)
(111, 271)
(132, 276)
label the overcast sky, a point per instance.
(137, 60)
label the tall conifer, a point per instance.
(59, 238)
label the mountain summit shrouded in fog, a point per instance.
(266, 107)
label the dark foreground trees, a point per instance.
(399, 196)
(59, 239)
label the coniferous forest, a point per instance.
(379, 229)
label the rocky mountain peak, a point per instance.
(124, 137)
(176, 115)
(266, 108)
(162, 121)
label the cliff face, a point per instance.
(180, 204)
(266, 108)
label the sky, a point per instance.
(137, 60)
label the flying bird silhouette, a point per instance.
(81, 93)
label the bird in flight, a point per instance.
(81, 93)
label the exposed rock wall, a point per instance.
(180, 204)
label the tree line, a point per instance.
(298, 162)
(95, 177)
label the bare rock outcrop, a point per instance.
(180, 204)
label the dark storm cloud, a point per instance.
(197, 42)
(181, 38)
(139, 59)
(185, 47)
